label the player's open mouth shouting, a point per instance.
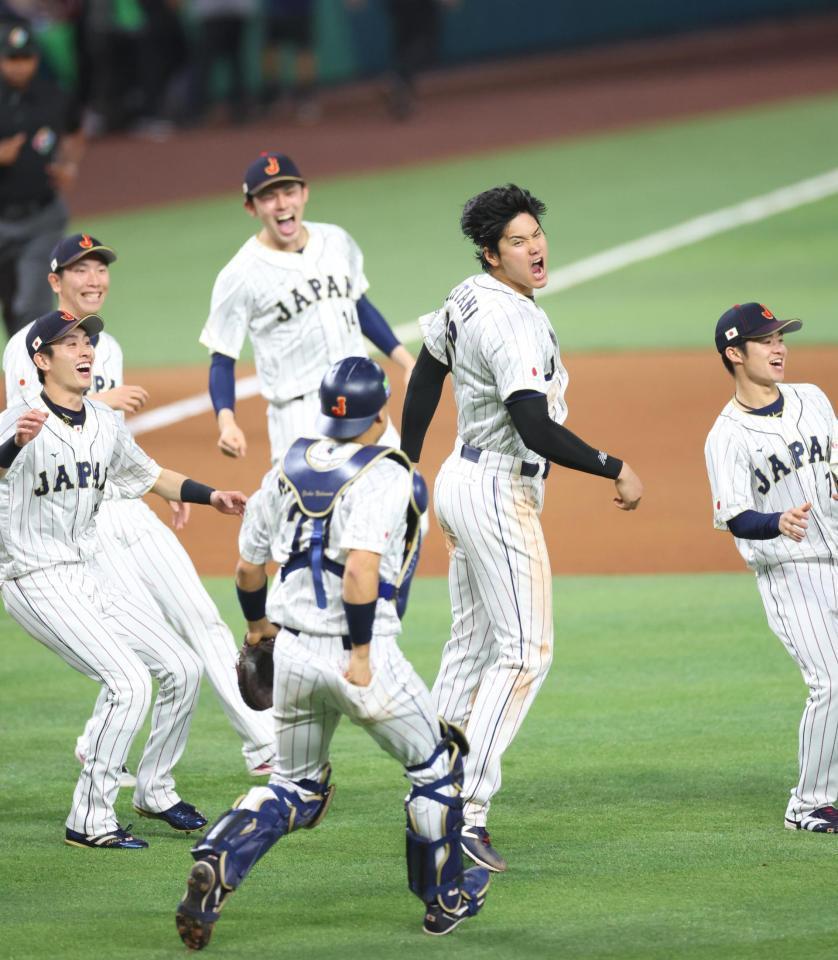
(538, 269)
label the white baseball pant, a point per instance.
(501, 643)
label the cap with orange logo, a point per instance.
(267, 169)
(749, 321)
(73, 248)
(53, 326)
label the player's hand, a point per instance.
(231, 441)
(10, 147)
(230, 502)
(126, 398)
(260, 630)
(29, 426)
(629, 489)
(358, 672)
(793, 523)
(180, 513)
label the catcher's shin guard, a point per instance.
(244, 834)
(437, 880)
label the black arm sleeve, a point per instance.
(420, 403)
(554, 442)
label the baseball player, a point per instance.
(57, 455)
(768, 459)
(340, 515)
(134, 545)
(298, 290)
(509, 386)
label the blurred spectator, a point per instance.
(40, 148)
(290, 24)
(219, 37)
(416, 30)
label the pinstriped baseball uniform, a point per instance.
(299, 310)
(135, 546)
(48, 501)
(496, 342)
(771, 464)
(310, 692)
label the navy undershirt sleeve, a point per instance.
(375, 328)
(421, 401)
(753, 525)
(222, 382)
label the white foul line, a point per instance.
(589, 268)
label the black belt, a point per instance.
(20, 211)
(347, 643)
(468, 452)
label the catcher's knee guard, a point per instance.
(257, 820)
(437, 879)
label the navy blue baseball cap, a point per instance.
(73, 248)
(270, 168)
(351, 396)
(749, 321)
(53, 326)
(16, 40)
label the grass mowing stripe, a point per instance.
(641, 808)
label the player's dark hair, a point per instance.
(46, 350)
(743, 346)
(485, 216)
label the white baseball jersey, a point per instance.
(53, 489)
(369, 515)
(497, 342)
(299, 310)
(770, 464)
(134, 545)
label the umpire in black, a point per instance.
(40, 148)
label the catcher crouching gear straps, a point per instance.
(237, 840)
(316, 491)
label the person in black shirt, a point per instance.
(40, 148)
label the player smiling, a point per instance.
(767, 459)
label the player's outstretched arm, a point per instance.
(175, 486)
(27, 428)
(252, 591)
(421, 401)
(222, 390)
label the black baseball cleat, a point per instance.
(182, 816)
(198, 912)
(477, 845)
(473, 888)
(118, 839)
(822, 820)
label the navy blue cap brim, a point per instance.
(343, 429)
(772, 326)
(252, 191)
(108, 255)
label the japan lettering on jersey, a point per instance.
(496, 342)
(299, 310)
(53, 489)
(771, 464)
(369, 515)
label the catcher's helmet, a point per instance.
(352, 393)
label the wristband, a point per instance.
(359, 619)
(193, 492)
(8, 451)
(253, 602)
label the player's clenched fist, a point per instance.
(231, 502)
(629, 489)
(793, 523)
(29, 426)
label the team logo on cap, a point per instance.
(767, 313)
(339, 409)
(85, 243)
(18, 37)
(272, 168)
(732, 333)
(67, 317)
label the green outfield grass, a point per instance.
(601, 191)
(641, 811)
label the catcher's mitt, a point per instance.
(255, 672)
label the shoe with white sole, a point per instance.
(822, 820)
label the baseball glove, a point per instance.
(255, 672)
